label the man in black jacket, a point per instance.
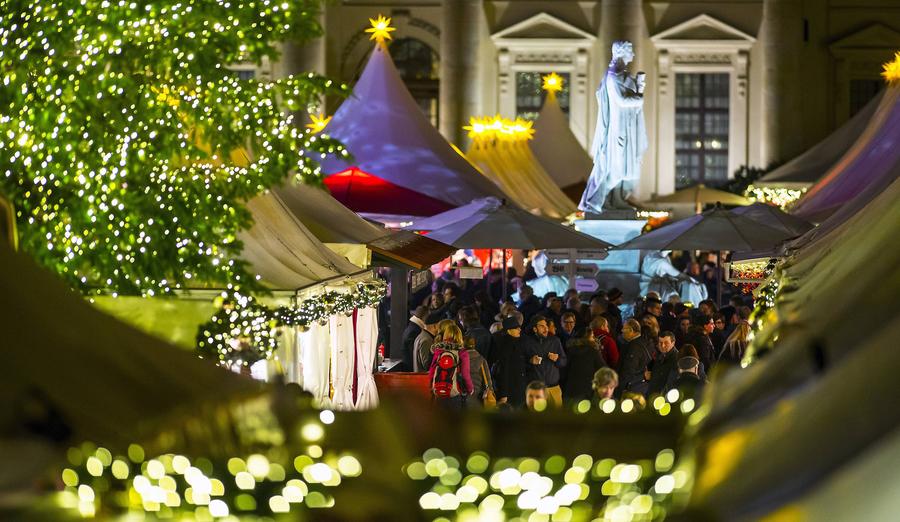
(510, 364)
(413, 329)
(472, 327)
(634, 358)
(545, 356)
(665, 367)
(698, 335)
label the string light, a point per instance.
(117, 127)
(497, 127)
(317, 122)
(784, 198)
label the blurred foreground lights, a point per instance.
(627, 406)
(258, 466)
(673, 395)
(608, 405)
(625, 473)
(687, 406)
(664, 484)
(244, 480)
(279, 504)
(430, 500)
(349, 466)
(326, 416)
(218, 509)
(312, 432)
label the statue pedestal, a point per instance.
(621, 268)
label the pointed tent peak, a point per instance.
(891, 71)
(559, 151)
(381, 29)
(553, 83)
(389, 136)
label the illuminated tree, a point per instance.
(119, 122)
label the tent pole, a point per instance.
(503, 297)
(487, 276)
(719, 279)
(399, 311)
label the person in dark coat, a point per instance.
(664, 370)
(413, 329)
(689, 384)
(472, 327)
(584, 359)
(480, 374)
(546, 357)
(529, 305)
(698, 336)
(452, 300)
(510, 367)
(615, 297)
(635, 356)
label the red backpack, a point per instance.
(446, 369)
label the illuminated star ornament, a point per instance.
(891, 71)
(381, 29)
(552, 82)
(317, 122)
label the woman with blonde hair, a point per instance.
(449, 374)
(736, 344)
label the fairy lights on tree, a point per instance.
(118, 121)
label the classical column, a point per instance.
(782, 40)
(461, 24)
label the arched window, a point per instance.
(418, 66)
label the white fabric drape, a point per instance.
(343, 353)
(366, 339)
(315, 358)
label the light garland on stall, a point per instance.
(498, 127)
(243, 331)
(784, 198)
(117, 124)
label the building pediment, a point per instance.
(875, 36)
(542, 26)
(702, 30)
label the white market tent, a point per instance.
(809, 167)
(558, 150)
(500, 150)
(101, 378)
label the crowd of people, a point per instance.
(565, 349)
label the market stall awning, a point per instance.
(340, 229)
(871, 160)
(491, 223)
(391, 140)
(699, 195)
(91, 373)
(808, 167)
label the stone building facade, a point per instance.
(730, 82)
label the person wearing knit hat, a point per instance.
(509, 362)
(688, 383)
(615, 297)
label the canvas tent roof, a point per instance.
(341, 229)
(108, 382)
(871, 160)
(829, 374)
(559, 151)
(507, 160)
(390, 138)
(809, 167)
(284, 252)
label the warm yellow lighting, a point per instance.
(317, 122)
(494, 127)
(891, 71)
(381, 29)
(552, 82)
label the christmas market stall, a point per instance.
(556, 147)
(402, 167)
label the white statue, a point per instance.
(620, 138)
(658, 275)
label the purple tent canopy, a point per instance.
(389, 137)
(810, 166)
(870, 161)
(491, 223)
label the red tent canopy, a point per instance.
(363, 192)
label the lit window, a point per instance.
(701, 129)
(530, 96)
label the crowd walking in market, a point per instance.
(562, 349)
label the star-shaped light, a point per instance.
(552, 82)
(381, 29)
(891, 71)
(317, 122)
